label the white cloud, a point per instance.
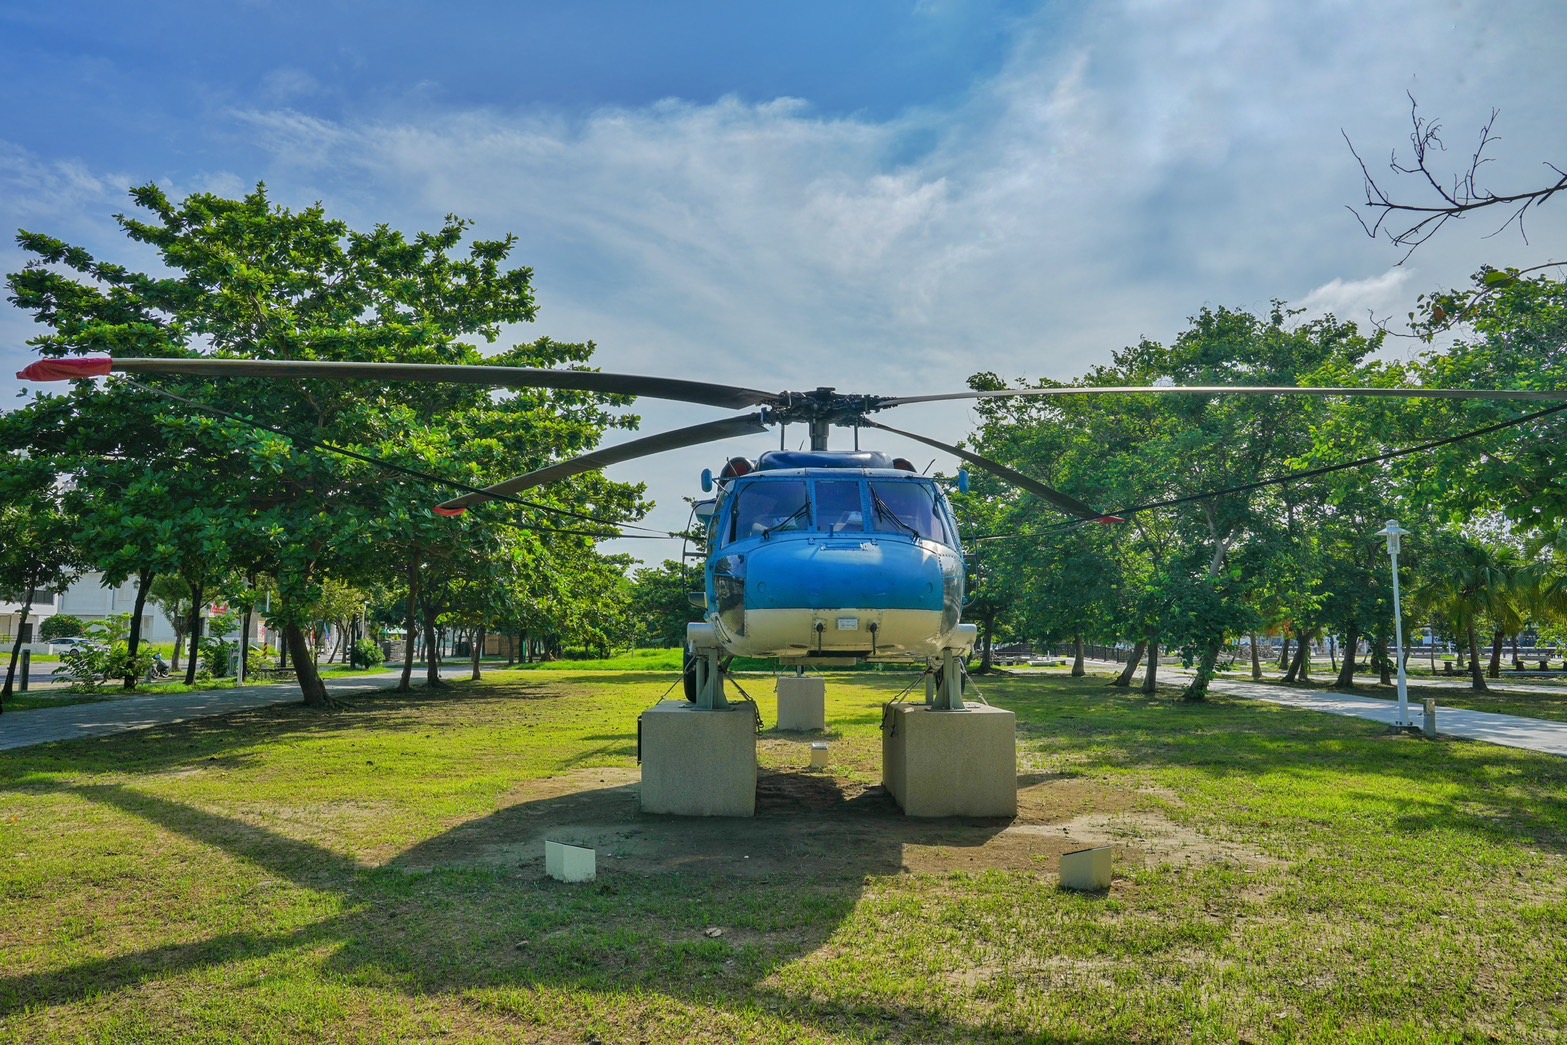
(284, 85)
(1358, 300)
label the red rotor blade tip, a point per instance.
(450, 513)
(66, 369)
(1109, 520)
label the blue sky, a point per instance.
(885, 197)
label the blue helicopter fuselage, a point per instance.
(833, 557)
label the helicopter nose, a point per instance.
(890, 575)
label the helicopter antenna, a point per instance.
(929, 466)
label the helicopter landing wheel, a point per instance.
(688, 676)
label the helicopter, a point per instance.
(815, 557)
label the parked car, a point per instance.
(69, 643)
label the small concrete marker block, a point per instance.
(1086, 870)
(1430, 719)
(819, 755)
(802, 703)
(569, 863)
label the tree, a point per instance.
(1442, 196)
(60, 626)
(38, 547)
(172, 595)
(254, 280)
(660, 604)
(1183, 467)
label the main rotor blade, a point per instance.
(1070, 505)
(703, 392)
(1278, 390)
(748, 424)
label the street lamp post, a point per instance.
(1392, 531)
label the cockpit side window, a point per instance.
(838, 507)
(775, 504)
(902, 507)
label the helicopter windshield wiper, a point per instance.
(883, 510)
(798, 512)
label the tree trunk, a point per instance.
(1297, 673)
(1125, 677)
(311, 686)
(1384, 662)
(478, 649)
(1284, 652)
(1303, 654)
(245, 621)
(179, 645)
(1197, 690)
(16, 648)
(1256, 661)
(432, 649)
(1332, 653)
(1151, 675)
(1078, 671)
(987, 657)
(1476, 678)
(1495, 669)
(1346, 671)
(410, 626)
(193, 626)
(133, 640)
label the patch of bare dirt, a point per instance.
(813, 825)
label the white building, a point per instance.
(11, 617)
(90, 599)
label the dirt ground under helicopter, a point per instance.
(811, 824)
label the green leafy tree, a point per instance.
(39, 551)
(255, 280)
(60, 626)
(660, 606)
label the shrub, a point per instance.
(216, 655)
(105, 658)
(60, 626)
(369, 653)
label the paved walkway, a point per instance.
(1532, 734)
(74, 721)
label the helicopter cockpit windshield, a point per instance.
(909, 507)
(770, 507)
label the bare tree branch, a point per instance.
(1409, 224)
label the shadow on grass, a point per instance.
(472, 910)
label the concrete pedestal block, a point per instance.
(802, 703)
(950, 763)
(698, 763)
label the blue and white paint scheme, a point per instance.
(830, 558)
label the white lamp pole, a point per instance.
(1393, 532)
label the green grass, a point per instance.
(279, 876)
